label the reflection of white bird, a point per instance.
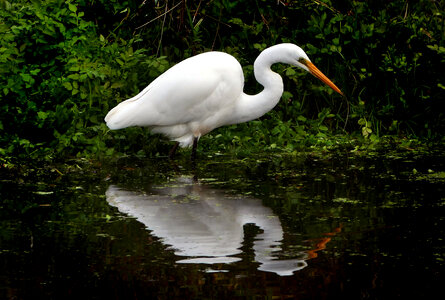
(205, 91)
(205, 225)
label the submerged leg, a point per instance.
(195, 144)
(173, 150)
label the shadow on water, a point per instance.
(265, 227)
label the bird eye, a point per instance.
(302, 61)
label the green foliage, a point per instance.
(59, 76)
(64, 64)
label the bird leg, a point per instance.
(172, 152)
(195, 144)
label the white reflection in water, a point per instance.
(205, 225)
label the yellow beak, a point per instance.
(317, 73)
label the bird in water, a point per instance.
(205, 92)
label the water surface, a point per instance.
(269, 227)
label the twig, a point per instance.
(162, 27)
(217, 28)
(196, 12)
(166, 12)
(326, 5)
(347, 113)
(406, 10)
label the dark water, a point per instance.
(342, 227)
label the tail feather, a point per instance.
(121, 116)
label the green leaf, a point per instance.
(117, 85)
(43, 193)
(290, 72)
(68, 85)
(42, 115)
(26, 77)
(72, 7)
(74, 76)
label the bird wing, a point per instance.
(193, 90)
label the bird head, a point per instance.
(296, 56)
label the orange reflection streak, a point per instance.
(322, 242)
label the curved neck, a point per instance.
(250, 107)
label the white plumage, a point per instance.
(205, 91)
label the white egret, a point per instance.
(205, 92)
